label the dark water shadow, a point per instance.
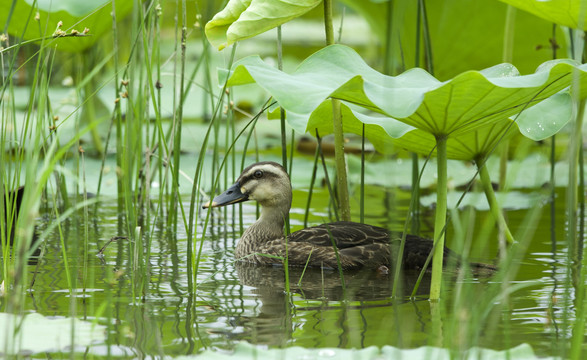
(326, 284)
(320, 293)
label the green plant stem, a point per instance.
(492, 200)
(328, 27)
(89, 109)
(283, 133)
(508, 38)
(574, 242)
(362, 198)
(415, 209)
(312, 182)
(440, 217)
(572, 194)
(343, 192)
(178, 121)
(281, 110)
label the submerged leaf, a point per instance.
(242, 19)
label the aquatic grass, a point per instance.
(397, 271)
(33, 147)
(178, 116)
(27, 156)
(338, 264)
(312, 183)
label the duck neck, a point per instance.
(268, 227)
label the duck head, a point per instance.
(266, 182)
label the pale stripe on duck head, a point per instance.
(268, 183)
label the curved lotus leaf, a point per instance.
(562, 12)
(335, 70)
(386, 134)
(380, 130)
(547, 118)
(242, 19)
(472, 100)
(74, 14)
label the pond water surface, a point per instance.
(160, 312)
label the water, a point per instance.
(164, 313)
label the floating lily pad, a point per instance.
(247, 351)
(512, 200)
(34, 333)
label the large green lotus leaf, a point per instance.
(537, 123)
(380, 130)
(75, 14)
(452, 108)
(387, 134)
(563, 12)
(465, 35)
(333, 68)
(242, 19)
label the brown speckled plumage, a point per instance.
(359, 245)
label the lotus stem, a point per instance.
(343, 192)
(440, 217)
(492, 200)
(572, 195)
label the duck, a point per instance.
(349, 245)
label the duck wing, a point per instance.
(363, 245)
(358, 246)
(345, 234)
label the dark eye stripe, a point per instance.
(247, 176)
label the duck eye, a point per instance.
(258, 174)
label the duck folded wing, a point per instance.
(344, 235)
(312, 255)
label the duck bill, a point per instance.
(232, 195)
